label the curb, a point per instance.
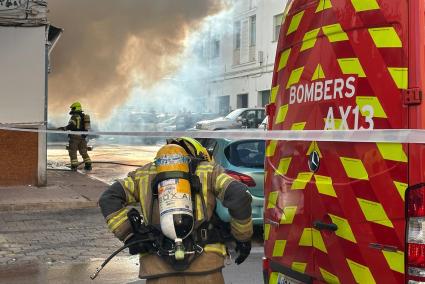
(45, 206)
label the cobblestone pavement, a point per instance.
(54, 237)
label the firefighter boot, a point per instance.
(87, 167)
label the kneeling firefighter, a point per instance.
(180, 238)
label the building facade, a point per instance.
(243, 58)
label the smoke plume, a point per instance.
(109, 47)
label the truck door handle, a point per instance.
(319, 225)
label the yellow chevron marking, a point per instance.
(301, 181)
(284, 59)
(298, 126)
(266, 231)
(335, 33)
(283, 167)
(401, 188)
(279, 248)
(281, 114)
(273, 196)
(295, 77)
(310, 38)
(318, 241)
(385, 37)
(271, 148)
(306, 239)
(344, 229)
(299, 266)
(324, 185)
(395, 260)
(274, 278)
(351, 66)
(365, 5)
(378, 111)
(314, 147)
(374, 212)
(354, 168)
(273, 95)
(318, 73)
(360, 272)
(329, 277)
(295, 22)
(323, 5)
(392, 152)
(288, 215)
(400, 76)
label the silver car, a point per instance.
(239, 118)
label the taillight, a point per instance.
(249, 181)
(415, 203)
(266, 270)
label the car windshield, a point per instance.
(248, 154)
(234, 114)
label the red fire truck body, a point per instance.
(338, 212)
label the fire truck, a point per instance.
(341, 212)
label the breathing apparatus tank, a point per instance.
(174, 195)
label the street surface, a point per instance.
(66, 246)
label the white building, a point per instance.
(245, 57)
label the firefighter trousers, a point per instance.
(78, 143)
(208, 278)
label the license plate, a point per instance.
(283, 279)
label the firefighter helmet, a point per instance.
(76, 106)
(192, 147)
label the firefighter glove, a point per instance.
(140, 244)
(243, 249)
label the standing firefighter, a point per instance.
(78, 122)
(182, 240)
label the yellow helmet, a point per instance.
(192, 147)
(76, 107)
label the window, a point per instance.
(277, 22)
(215, 48)
(242, 101)
(253, 30)
(248, 154)
(237, 35)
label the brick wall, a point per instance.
(18, 158)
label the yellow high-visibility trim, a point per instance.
(323, 5)
(273, 95)
(298, 126)
(301, 181)
(266, 231)
(314, 147)
(354, 168)
(217, 248)
(221, 180)
(324, 185)
(318, 73)
(351, 66)
(400, 77)
(273, 196)
(360, 272)
(374, 212)
(392, 152)
(284, 59)
(279, 248)
(295, 77)
(329, 277)
(299, 266)
(344, 229)
(385, 37)
(271, 148)
(117, 220)
(129, 187)
(395, 260)
(335, 33)
(283, 167)
(306, 239)
(365, 5)
(401, 188)
(310, 38)
(143, 187)
(318, 241)
(281, 114)
(288, 215)
(378, 111)
(295, 22)
(274, 278)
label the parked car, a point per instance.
(244, 161)
(239, 118)
(263, 125)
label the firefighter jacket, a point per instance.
(76, 122)
(136, 188)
